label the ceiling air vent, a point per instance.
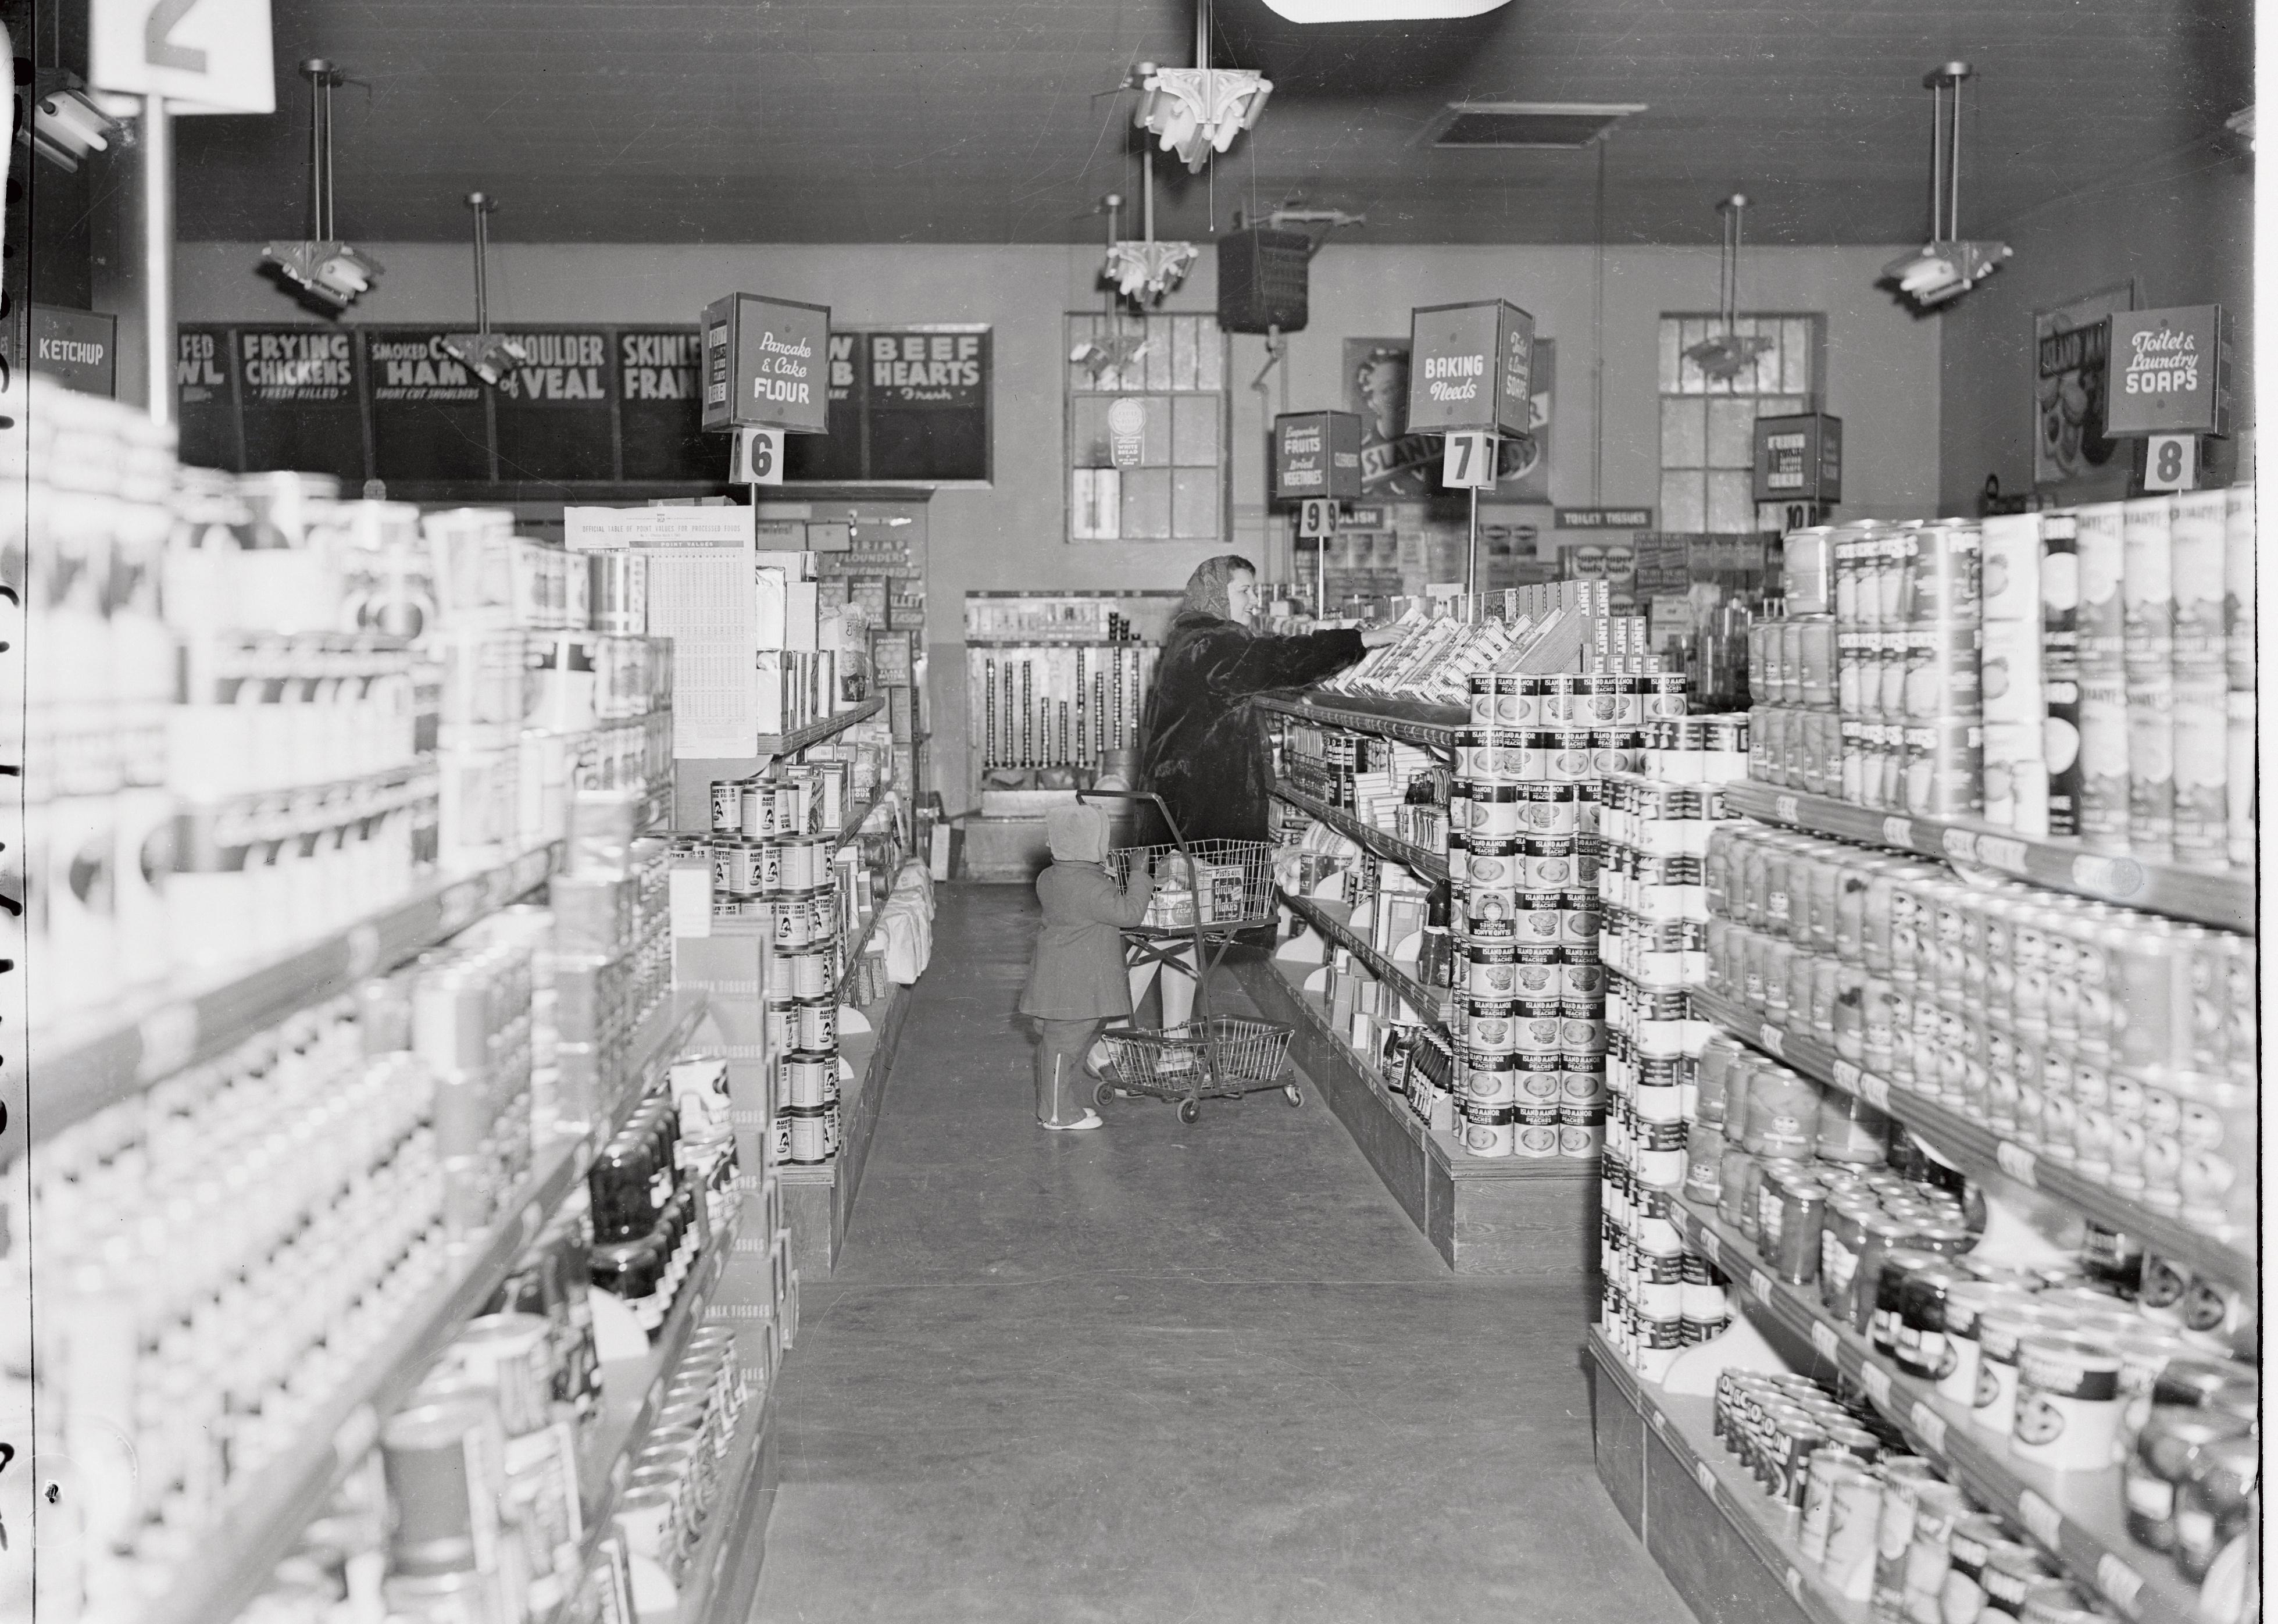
(1566, 125)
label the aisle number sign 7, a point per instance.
(1469, 462)
(202, 56)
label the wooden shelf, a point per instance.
(2224, 900)
(1430, 864)
(91, 1064)
(1435, 727)
(1978, 1150)
(2077, 1517)
(1333, 920)
(723, 1572)
(238, 1557)
(1485, 1215)
(772, 745)
(1766, 1528)
(819, 1200)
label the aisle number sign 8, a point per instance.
(202, 56)
(1317, 517)
(2171, 463)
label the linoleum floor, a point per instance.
(1165, 1375)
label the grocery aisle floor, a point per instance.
(1162, 1374)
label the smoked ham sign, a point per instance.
(764, 364)
(1471, 366)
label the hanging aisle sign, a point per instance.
(2166, 372)
(1471, 366)
(764, 364)
(1316, 454)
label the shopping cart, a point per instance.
(1213, 1056)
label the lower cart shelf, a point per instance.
(1500, 1215)
(1728, 1548)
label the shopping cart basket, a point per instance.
(1213, 1056)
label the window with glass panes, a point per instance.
(1174, 366)
(1708, 425)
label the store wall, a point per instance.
(1882, 368)
(2183, 228)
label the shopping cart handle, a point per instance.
(1177, 838)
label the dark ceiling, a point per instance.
(983, 120)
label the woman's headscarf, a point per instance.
(1206, 586)
(1076, 833)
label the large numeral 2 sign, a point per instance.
(202, 56)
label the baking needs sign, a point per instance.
(764, 364)
(1471, 366)
(2163, 372)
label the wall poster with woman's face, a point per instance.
(1395, 464)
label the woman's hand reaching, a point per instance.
(1377, 637)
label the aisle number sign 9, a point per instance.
(201, 56)
(1317, 517)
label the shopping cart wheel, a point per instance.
(1294, 1095)
(1189, 1111)
(1104, 1092)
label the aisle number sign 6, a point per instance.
(202, 56)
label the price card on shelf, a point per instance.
(1759, 1285)
(362, 950)
(1706, 1478)
(168, 1036)
(1785, 809)
(2017, 1162)
(2042, 1520)
(2117, 877)
(1825, 1339)
(1711, 1247)
(2002, 852)
(1877, 1381)
(1928, 1426)
(353, 1439)
(1768, 1038)
(2117, 1579)
(1960, 845)
(1796, 1584)
(1898, 831)
(1847, 1076)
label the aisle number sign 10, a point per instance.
(201, 56)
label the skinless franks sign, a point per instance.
(586, 404)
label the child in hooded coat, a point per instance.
(1076, 980)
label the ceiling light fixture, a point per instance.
(488, 354)
(67, 127)
(1197, 111)
(1946, 267)
(324, 272)
(1726, 354)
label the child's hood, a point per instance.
(1077, 833)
